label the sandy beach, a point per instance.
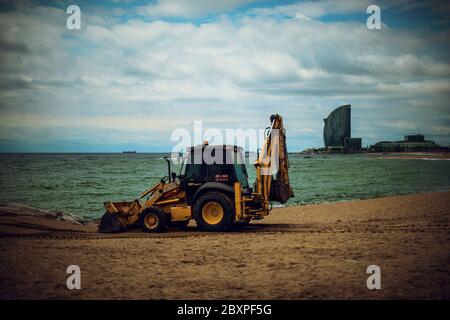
(305, 252)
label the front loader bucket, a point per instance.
(120, 215)
(110, 222)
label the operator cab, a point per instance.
(213, 166)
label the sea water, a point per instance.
(80, 183)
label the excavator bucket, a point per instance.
(280, 192)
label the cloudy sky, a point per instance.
(137, 70)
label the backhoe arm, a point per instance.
(272, 165)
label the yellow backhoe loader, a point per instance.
(216, 194)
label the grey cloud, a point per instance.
(180, 72)
(187, 8)
(13, 47)
(13, 83)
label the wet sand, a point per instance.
(307, 252)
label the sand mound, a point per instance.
(17, 209)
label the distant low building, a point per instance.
(335, 149)
(411, 143)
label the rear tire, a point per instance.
(213, 211)
(153, 219)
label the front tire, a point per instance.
(213, 211)
(153, 219)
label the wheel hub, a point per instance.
(151, 221)
(212, 212)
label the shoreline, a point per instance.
(13, 208)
